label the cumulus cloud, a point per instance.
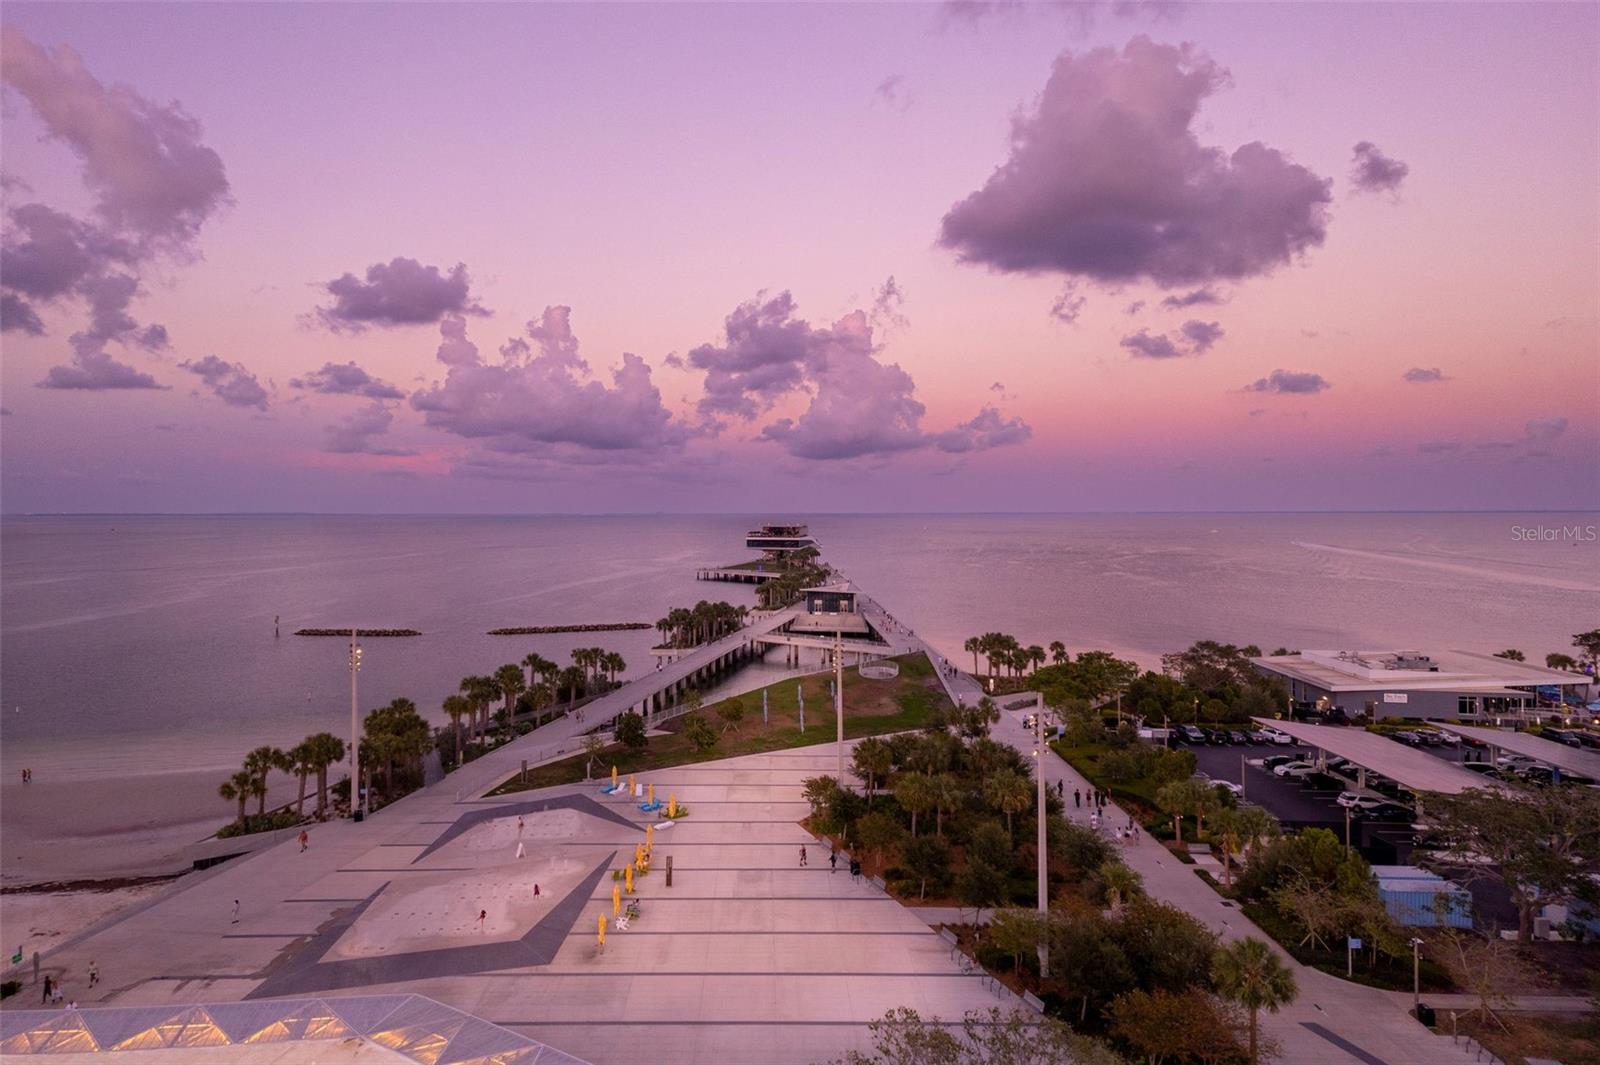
(1107, 181)
(1144, 345)
(345, 379)
(1545, 429)
(541, 395)
(892, 92)
(1201, 335)
(1290, 382)
(985, 431)
(860, 405)
(1424, 374)
(399, 292)
(153, 185)
(1194, 337)
(1200, 297)
(95, 371)
(354, 434)
(229, 381)
(1372, 171)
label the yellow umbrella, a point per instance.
(628, 874)
(672, 806)
(649, 835)
(652, 794)
(613, 778)
(600, 930)
(638, 854)
(616, 901)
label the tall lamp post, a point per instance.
(838, 695)
(1416, 978)
(1044, 881)
(355, 731)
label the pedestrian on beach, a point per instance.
(1077, 798)
(536, 890)
(55, 994)
(94, 973)
(235, 912)
(519, 824)
(305, 841)
(833, 861)
(802, 854)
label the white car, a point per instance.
(1236, 790)
(1294, 770)
(1357, 803)
(1281, 738)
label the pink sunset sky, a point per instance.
(808, 257)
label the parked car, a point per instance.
(1238, 736)
(1449, 739)
(1273, 761)
(1429, 737)
(1589, 739)
(1557, 735)
(1388, 811)
(1294, 770)
(1354, 800)
(1216, 736)
(1483, 768)
(1278, 736)
(1191, 734)
(1259, 736)
(1410, 739)
(1236, 790)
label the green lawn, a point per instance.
(871, 707)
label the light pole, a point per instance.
(838, 695)
(1044, 881)
(355, 731)
(1416, 977)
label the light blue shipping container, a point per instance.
(1414, 903)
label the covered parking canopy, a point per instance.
(1411, 768)
(1567, 759)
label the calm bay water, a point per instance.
(137, 646)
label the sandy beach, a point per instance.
(39, 920)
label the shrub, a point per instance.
(630, 730)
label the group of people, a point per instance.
(27, 776)
(833, 862)
(1094, 796)
(52, 993)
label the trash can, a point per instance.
(1425, 1014)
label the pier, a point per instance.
(733, 574)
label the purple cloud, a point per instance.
(1143, 345)
(983, 432)
(1290, 382)
(1201, 335)
(154, 185)
(354, 433)
(1106, 181)
(346, 379)
(1545, 429)
(1438, 447)
(1200, 297)
(96, 371)
(860, 406)
(1068, 306)
(888, 302)
(1372, 171)
(229, 382)
(1424, 374)
(533, 401)
(399, 292)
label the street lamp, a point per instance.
(1042, 848)
(838, 695)
(1416, 977)
(355, 731)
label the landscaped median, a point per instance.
(734, 726)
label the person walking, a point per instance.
(1077, 799)
(235, 912)
(833, 861)
(44, 999)
(35, 965)
(55, 994)
(94, 973)
(802, 854)
(483, 917)
(305, 841)
(519, 824)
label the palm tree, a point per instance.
(238, 788)
(326, 749)
(508, 678)
(537, 664)
(914, 793)
(1248, 972)
(615, 664)
(1558, 660)
(572, 679)
(1120, 884)
(456, 708)
(1035, 655)
(258, 763)
(871, 761)
(1511, 653)
(1009, 792)
(1058, 652)
(947, 795)
(301, 763)
(972, 647)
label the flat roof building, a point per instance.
(777, 542)
(1454, 685)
